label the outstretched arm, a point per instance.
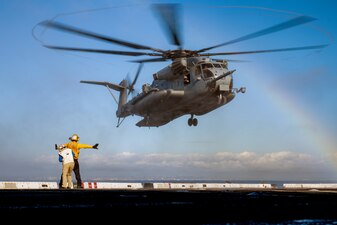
(87, 146)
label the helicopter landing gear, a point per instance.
(192, 121)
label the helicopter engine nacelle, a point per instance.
(165, 74)
(173, 71)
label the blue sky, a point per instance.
(282, 128)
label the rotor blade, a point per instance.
(169, 16)
(282, 26)
(149, 60)
(131, 87)
(128, 79)
(112, 52)
(265, 51)
(70, 29)
(129, 82)
(137, 74)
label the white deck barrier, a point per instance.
(111, 185)
(27, 185)
(311, 186)
(165, 185)
(173, 186)
(210, 186)
(161, 185)
(136, 185)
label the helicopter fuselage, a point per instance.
(193, 86)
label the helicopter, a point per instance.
(192, 84)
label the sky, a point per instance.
(282, 128)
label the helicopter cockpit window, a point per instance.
(208, 74)
(206, 66)
(217, 65)
(205, 70)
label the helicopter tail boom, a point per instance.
(115, 87)
(123, 95)
(122, 88)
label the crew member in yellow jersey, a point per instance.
(75, 147)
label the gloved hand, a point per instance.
(55, 146)
(95, 146)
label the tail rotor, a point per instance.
(131, 85)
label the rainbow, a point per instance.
(320, 137)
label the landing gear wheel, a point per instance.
(195, 122)
(190, 122)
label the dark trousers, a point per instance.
(77, 175)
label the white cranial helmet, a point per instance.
(74, 137)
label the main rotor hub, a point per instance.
(179, 53)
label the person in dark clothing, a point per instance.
(75, 147)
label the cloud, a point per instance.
(283, 165)
(220, 165)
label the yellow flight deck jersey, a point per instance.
(75, 146)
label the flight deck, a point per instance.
(177, 203)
